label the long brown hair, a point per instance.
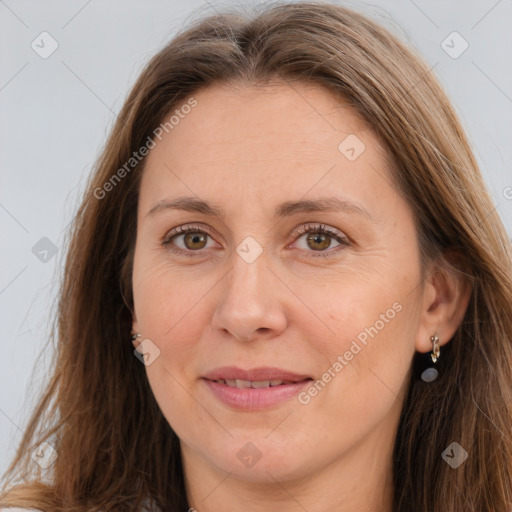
(114, 446)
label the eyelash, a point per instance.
(299, 232)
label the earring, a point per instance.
(431, 374)
(134, 337)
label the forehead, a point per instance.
(294, 111)
(284, 137)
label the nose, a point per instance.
(252, 302)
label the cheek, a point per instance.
(366, 339)
(353, 306)
(366, 367)
(164, 296)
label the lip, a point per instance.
(251, 399)
(261, 373)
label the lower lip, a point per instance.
(251, 399)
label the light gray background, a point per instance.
(55, 114)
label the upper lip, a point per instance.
(254, 374)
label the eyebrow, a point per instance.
(286, 209)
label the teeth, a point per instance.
(256, 384)
(260, 384)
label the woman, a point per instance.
(289, 226)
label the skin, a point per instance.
(247, 150)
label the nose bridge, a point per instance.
(249, 302)
(246, 281)
(250, 256)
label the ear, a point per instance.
(445, 300)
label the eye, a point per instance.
(189, 239)
(186, 240)
(318, 237)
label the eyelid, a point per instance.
(316, 226)
(184, 229)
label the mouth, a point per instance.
(254, 384)
(231, 374)
(254, 389)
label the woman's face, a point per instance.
(248, 288)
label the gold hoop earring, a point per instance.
(430, 374)
(435, 348)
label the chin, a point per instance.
(262, 460)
